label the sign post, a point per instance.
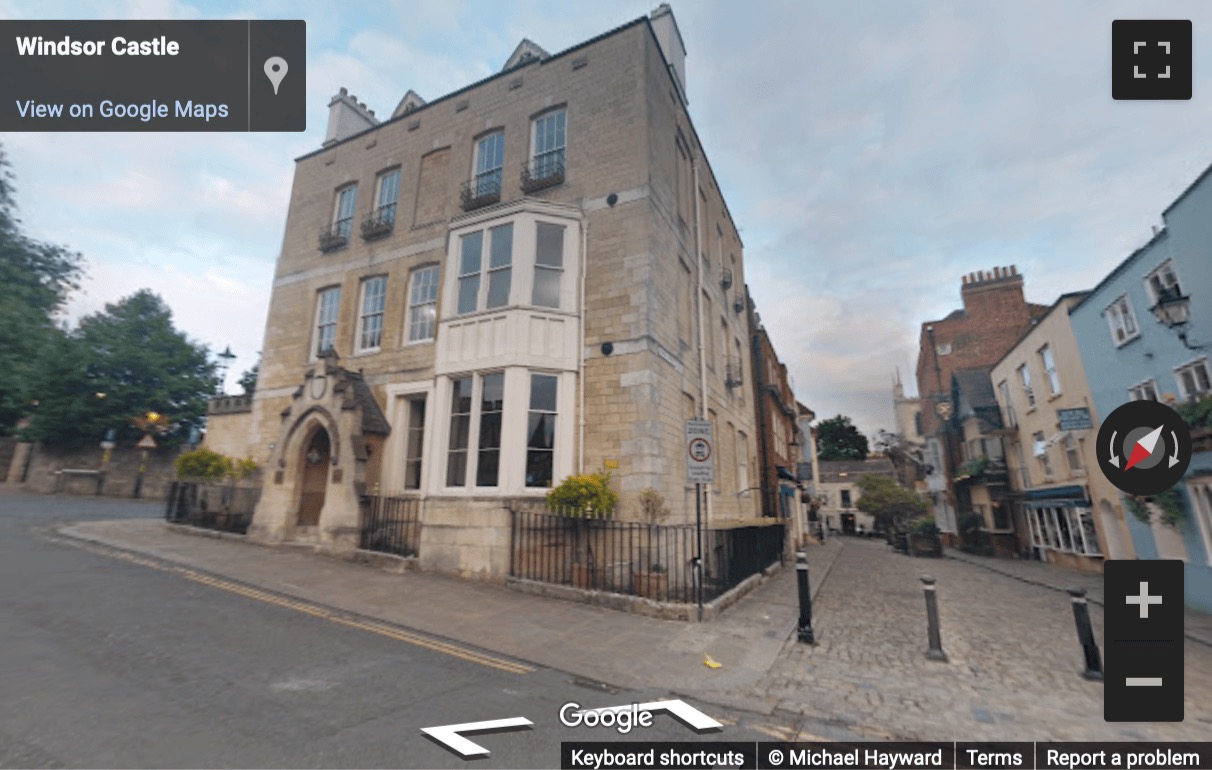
(700, 470)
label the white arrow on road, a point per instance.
(448, 735)
(697, 720)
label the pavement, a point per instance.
(602, 645)
(1012, 674)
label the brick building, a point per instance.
(533, 276)
(995, 314)
(778, 429)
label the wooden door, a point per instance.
(315, 479)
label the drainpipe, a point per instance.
(698, 260)
(581, 362)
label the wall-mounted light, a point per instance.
(1173, 309)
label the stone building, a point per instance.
(994, 316)
(837, 487)
(476, 297)
(1068, 513)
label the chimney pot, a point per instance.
(965, 279)
(1014, 270)
(344, 91)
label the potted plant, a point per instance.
(649, 578)
(924, 538)
(583, 497)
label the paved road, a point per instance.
(108, 662)
(1014, 659)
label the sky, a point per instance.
(871, 153)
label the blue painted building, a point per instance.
(1129, 354)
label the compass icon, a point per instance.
(1144, 448)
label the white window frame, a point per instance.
(320, 322)
(409, 429)
(485, 271)
(483, 175)
(549, 269)
(1121, 320)
(1024, 380)
(1192, 367)
(342, 221)
(558, 152)
(1166, 276)
(555, 428)
(1003, 389)
(1073, 454)
(365, 296)
(1045, 463)
(742, 467)
(471, 467)
(1137, 391)
(418, 301)
(394, 204)
(1047, 357)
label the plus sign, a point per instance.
(1144, 600)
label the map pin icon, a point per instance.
(275, 70)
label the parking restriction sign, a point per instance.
(700, 452)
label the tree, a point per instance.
(115, 368)
(248, 380)
(838, 439)
(35, 279)
(892, 506)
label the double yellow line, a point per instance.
(446, 648)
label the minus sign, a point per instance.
(1144, 641)
(1143, 681)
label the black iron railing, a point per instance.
(221, 507)
(483, 190)
(544, 170)
(391, 525)
(379, 223)
(650, 560)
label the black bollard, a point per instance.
(936, 641)
(1085, 635)
(801, 574)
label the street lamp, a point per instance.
(1173, 309)
(227, 357)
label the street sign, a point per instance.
(700, 452)
(147, 442)
(1074, 419)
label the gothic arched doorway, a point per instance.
(316, 457)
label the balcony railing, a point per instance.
(380, 223)
(542, 171)
(733, 372)
(336, 236)
(483, 190)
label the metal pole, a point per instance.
(698, 548)
(1085, 635)
(801, 573)
(936, 642)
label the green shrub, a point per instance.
(924, 526)
(203, 463)
(207, 464)
(1198, 414)
(586, 495)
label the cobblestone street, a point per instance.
(1014, 658)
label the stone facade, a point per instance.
(837, 486)
(532, 276)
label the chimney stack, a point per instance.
(346, 117)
